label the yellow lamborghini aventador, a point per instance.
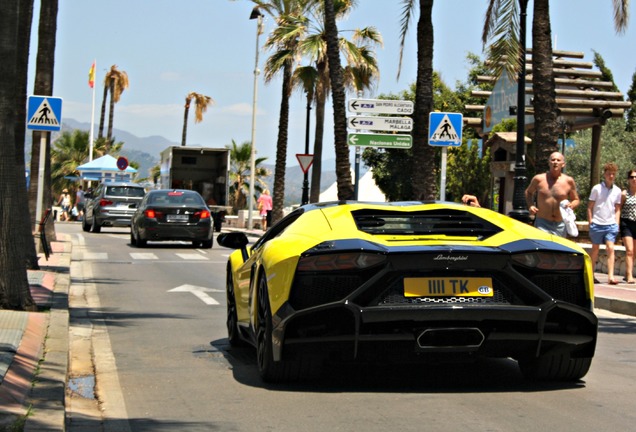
(409, 281)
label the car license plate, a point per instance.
(122, 204)
(448, 287)
(177, 218)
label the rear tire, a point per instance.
(133, 240)
(94, 226)
(206, 244)
(276, 371)
(85, 226)
(559, 367)
(233, 335)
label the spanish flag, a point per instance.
(91, 76)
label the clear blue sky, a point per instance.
(171, 48)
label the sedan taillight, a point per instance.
(150, 213)
(203, 214)
(104, 202)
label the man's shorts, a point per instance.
(552, 227)
(599, 234)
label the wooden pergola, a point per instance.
(583, 100)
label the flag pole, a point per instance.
(90, 138)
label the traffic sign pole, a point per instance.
(40, 194)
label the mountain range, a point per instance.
(146, 152)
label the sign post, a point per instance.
(379, 123)
(45, 115)
(305, 161)
(445, 129)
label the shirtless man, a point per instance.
(545, 193)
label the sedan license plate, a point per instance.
(176, 218)
(448, 287)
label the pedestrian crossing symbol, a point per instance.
(445, 129)
(44, 113)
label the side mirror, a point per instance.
(232, 240)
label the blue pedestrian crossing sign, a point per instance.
(44, 113)
(445, 129)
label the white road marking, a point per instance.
(143, 256)
(198, 291)
(191, 256)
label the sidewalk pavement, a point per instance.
(34, 349)
(34, 346)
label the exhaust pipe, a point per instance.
(451, 339)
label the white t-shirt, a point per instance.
(605, 201)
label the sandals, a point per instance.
(612, 282)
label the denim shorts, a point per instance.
(599, 234)
(552, 227)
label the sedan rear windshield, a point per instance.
(125, 191)
(442, 222)
(178, 197)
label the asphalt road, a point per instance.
(156, 326)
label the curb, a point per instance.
(47, 397)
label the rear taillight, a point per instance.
(550, 261)
(203, 214)
(104, 202)
(339, 261)
(150, 213)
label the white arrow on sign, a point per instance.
(381, 106)
(198, 291)
(402, 124)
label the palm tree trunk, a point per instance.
(28, 218)
(14, 285)
(545, 107)
(316, 169)
(343, 165)
(281, 147)
(185, 124)
(111, 114)
(102, 116)
(47, 31)
(423, 164)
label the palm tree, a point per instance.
(115, 82)
(240, 176)
(343, 165)
(423, 161)
(71, 150)
(503, 15)
(359, 74)
(201, 103)
(14, 285)
(24, 35)
(43, 85)
(284, 41)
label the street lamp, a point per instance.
(519, 207)
(256, 14)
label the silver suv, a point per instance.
(111, 204)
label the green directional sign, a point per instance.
(380, 140)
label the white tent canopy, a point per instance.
(105, 169)
(367, 190)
